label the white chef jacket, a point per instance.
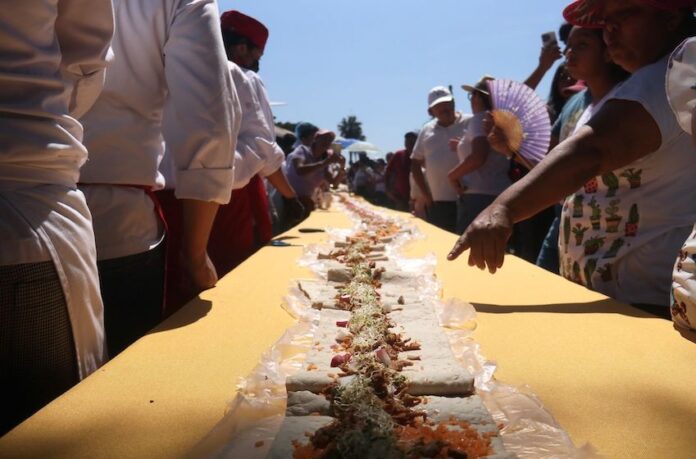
(256, 150)
(262, 96)
(52, 58)
(168, 83)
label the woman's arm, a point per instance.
(304, 169)
(600, 147)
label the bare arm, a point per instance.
(304, 169)
(419, 178)
(550, 53)
(197, 221)
(477, 158)
(280, 183)
(600, 147)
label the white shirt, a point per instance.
(262, 96)
(432, 147)
(48, 77)
(257, 151)
(621, 231)
(168, 82)
(492, 177)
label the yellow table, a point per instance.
(610, 374)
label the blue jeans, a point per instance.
(468, 208)
(548, 255)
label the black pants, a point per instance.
(443, 214)
(38, 361)
(132, 288)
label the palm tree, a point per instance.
(351, 128)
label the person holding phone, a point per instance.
(641, 169)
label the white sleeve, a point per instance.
(255, 139)
(419, 148)
(84, 29)
(202, 111)
(278, 156)
(475, 127)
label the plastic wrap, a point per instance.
(256, 413)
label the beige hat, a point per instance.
(481, 86)
(325, 132)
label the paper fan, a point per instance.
(681, 82)
(522, 115)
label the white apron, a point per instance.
(51, 222)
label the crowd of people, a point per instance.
(610, 205)
(139, 163)
(621, 168)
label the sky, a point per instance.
(377, 59)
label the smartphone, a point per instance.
(548, 37)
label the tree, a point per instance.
(351, 128)
(289, 125)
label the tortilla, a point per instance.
(435, 377)
(296, 429)
(344, 275)
(323, 295)
(373, 247)
(438, 409)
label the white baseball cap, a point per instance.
(438, 95)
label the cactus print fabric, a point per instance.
(620, 231)
(684, 285)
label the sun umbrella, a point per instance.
(360, 146)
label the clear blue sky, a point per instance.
(377, 59)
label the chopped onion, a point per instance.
(383, 356)
(339, 360)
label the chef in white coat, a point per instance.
(170, 70)
(52, 60)
(245, 40)
(282, 198)
(244, 225)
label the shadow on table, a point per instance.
(607, 306)
(194, 310)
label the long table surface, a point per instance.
(609, 373)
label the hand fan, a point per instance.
(523, 117)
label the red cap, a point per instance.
(583, 13)
(245, 26)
